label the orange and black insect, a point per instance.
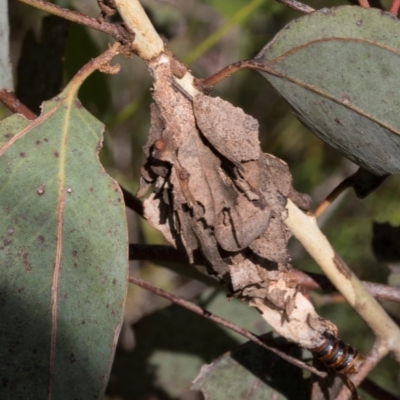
(338, 355)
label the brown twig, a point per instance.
(118, 32)
(226, 72)
(221, 321)
(347, 183)
(164, 253)
(362, 181)
(296, 5)
(312, 281)
(14, 105)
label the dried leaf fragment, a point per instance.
(229, 130)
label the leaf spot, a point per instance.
(41, 189)
(359, 23)
(83, 322)
(72, 358)
(69, 190)
(56, 154)
(22, 154)
(37, 142)
(74, 253)
(346, 100)
(338, 121)
(41, 239)
(10, 232)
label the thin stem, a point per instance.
(100, 63)
(221, 321)
(296, 5)
(168, 254)
(226, 73)
(118, 32)
(347, 183)
(364, 3)
(14, 105)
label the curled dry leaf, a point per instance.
(214, 190)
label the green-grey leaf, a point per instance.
(250, 372)
(63, 256)
(339, 70)
(5, 67)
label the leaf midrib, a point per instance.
(268, 68)
(59, 241)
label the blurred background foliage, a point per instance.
(162, 346)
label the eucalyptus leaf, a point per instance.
(5, 63)
(339, 70)
(250, 372)
(63, 255)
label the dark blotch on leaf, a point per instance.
(56, 154)
(74, 253)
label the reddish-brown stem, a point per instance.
(333, 196)
(221, 321)
(118, 32)
(362, 181)
(14, 105)
(394, 9)
(364, 3)
(225, 73)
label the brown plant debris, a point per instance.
(215, 191)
